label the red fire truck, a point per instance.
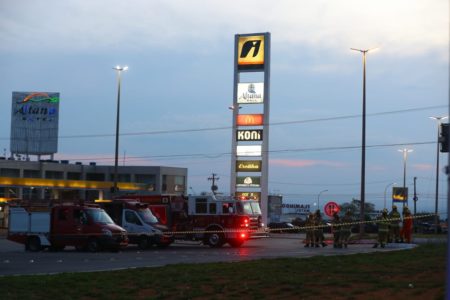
(210, 219)
(82, 226)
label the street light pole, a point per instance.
(119, 70)
(363, 144)
(318, 198)
(385, 190)
(405, 152)
(436, 217)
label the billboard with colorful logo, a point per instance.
(251, 53)
(250, 120)
(34, 123)
(250, 93)
(248, 181)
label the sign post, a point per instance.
(331, 208)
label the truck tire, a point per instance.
(215, 239)
(92, 245)
(143, 243)
(34, 244)
(236, 243)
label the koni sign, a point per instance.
(248, 166)
(250, 120)
(249, 135)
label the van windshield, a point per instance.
(249, 208)
(147, 216)
(99, 216)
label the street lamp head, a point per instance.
(119, 68)
(439, 118)
(405, 150)
(364, 51)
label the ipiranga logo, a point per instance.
(251, 52)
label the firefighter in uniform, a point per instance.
(318, 231)
(407, 225)
(346, 228)
(394, 228)
(310, 238)
(383, 229)
(336, 228)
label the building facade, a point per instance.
(54, 181)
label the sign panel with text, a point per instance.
(249, 135)
(248, 166)
(250, 93)
(249, 195)
(248, 150)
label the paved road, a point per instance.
(15, 261)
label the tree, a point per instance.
(355, 205)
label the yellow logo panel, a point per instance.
(251, 52)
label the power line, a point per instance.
(217, 155)
(230, 127)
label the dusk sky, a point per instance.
(180, 83)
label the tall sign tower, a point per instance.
(251, 108)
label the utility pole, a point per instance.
(415, 196)
(213, 178)
(415, 205)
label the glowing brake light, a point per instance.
(243, 235)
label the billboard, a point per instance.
(250, 53)
(34, 123)
(250, 93)
(399, 194)
(248, 166)
(249, 195)
(248, 150)
(248, 181)
(249, 135)
(250, 120)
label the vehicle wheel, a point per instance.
(143, 243)
(215, 239)
(34, 244)
(236, 243)
(92, 245)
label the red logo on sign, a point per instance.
(250, 120)
(330, 208)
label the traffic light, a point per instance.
(443, 138)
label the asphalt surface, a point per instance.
(14, 260)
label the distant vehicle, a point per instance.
(85, 227)
(282, 227)
(426, 227)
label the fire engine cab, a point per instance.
(211, 219)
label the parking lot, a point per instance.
(16, 261)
